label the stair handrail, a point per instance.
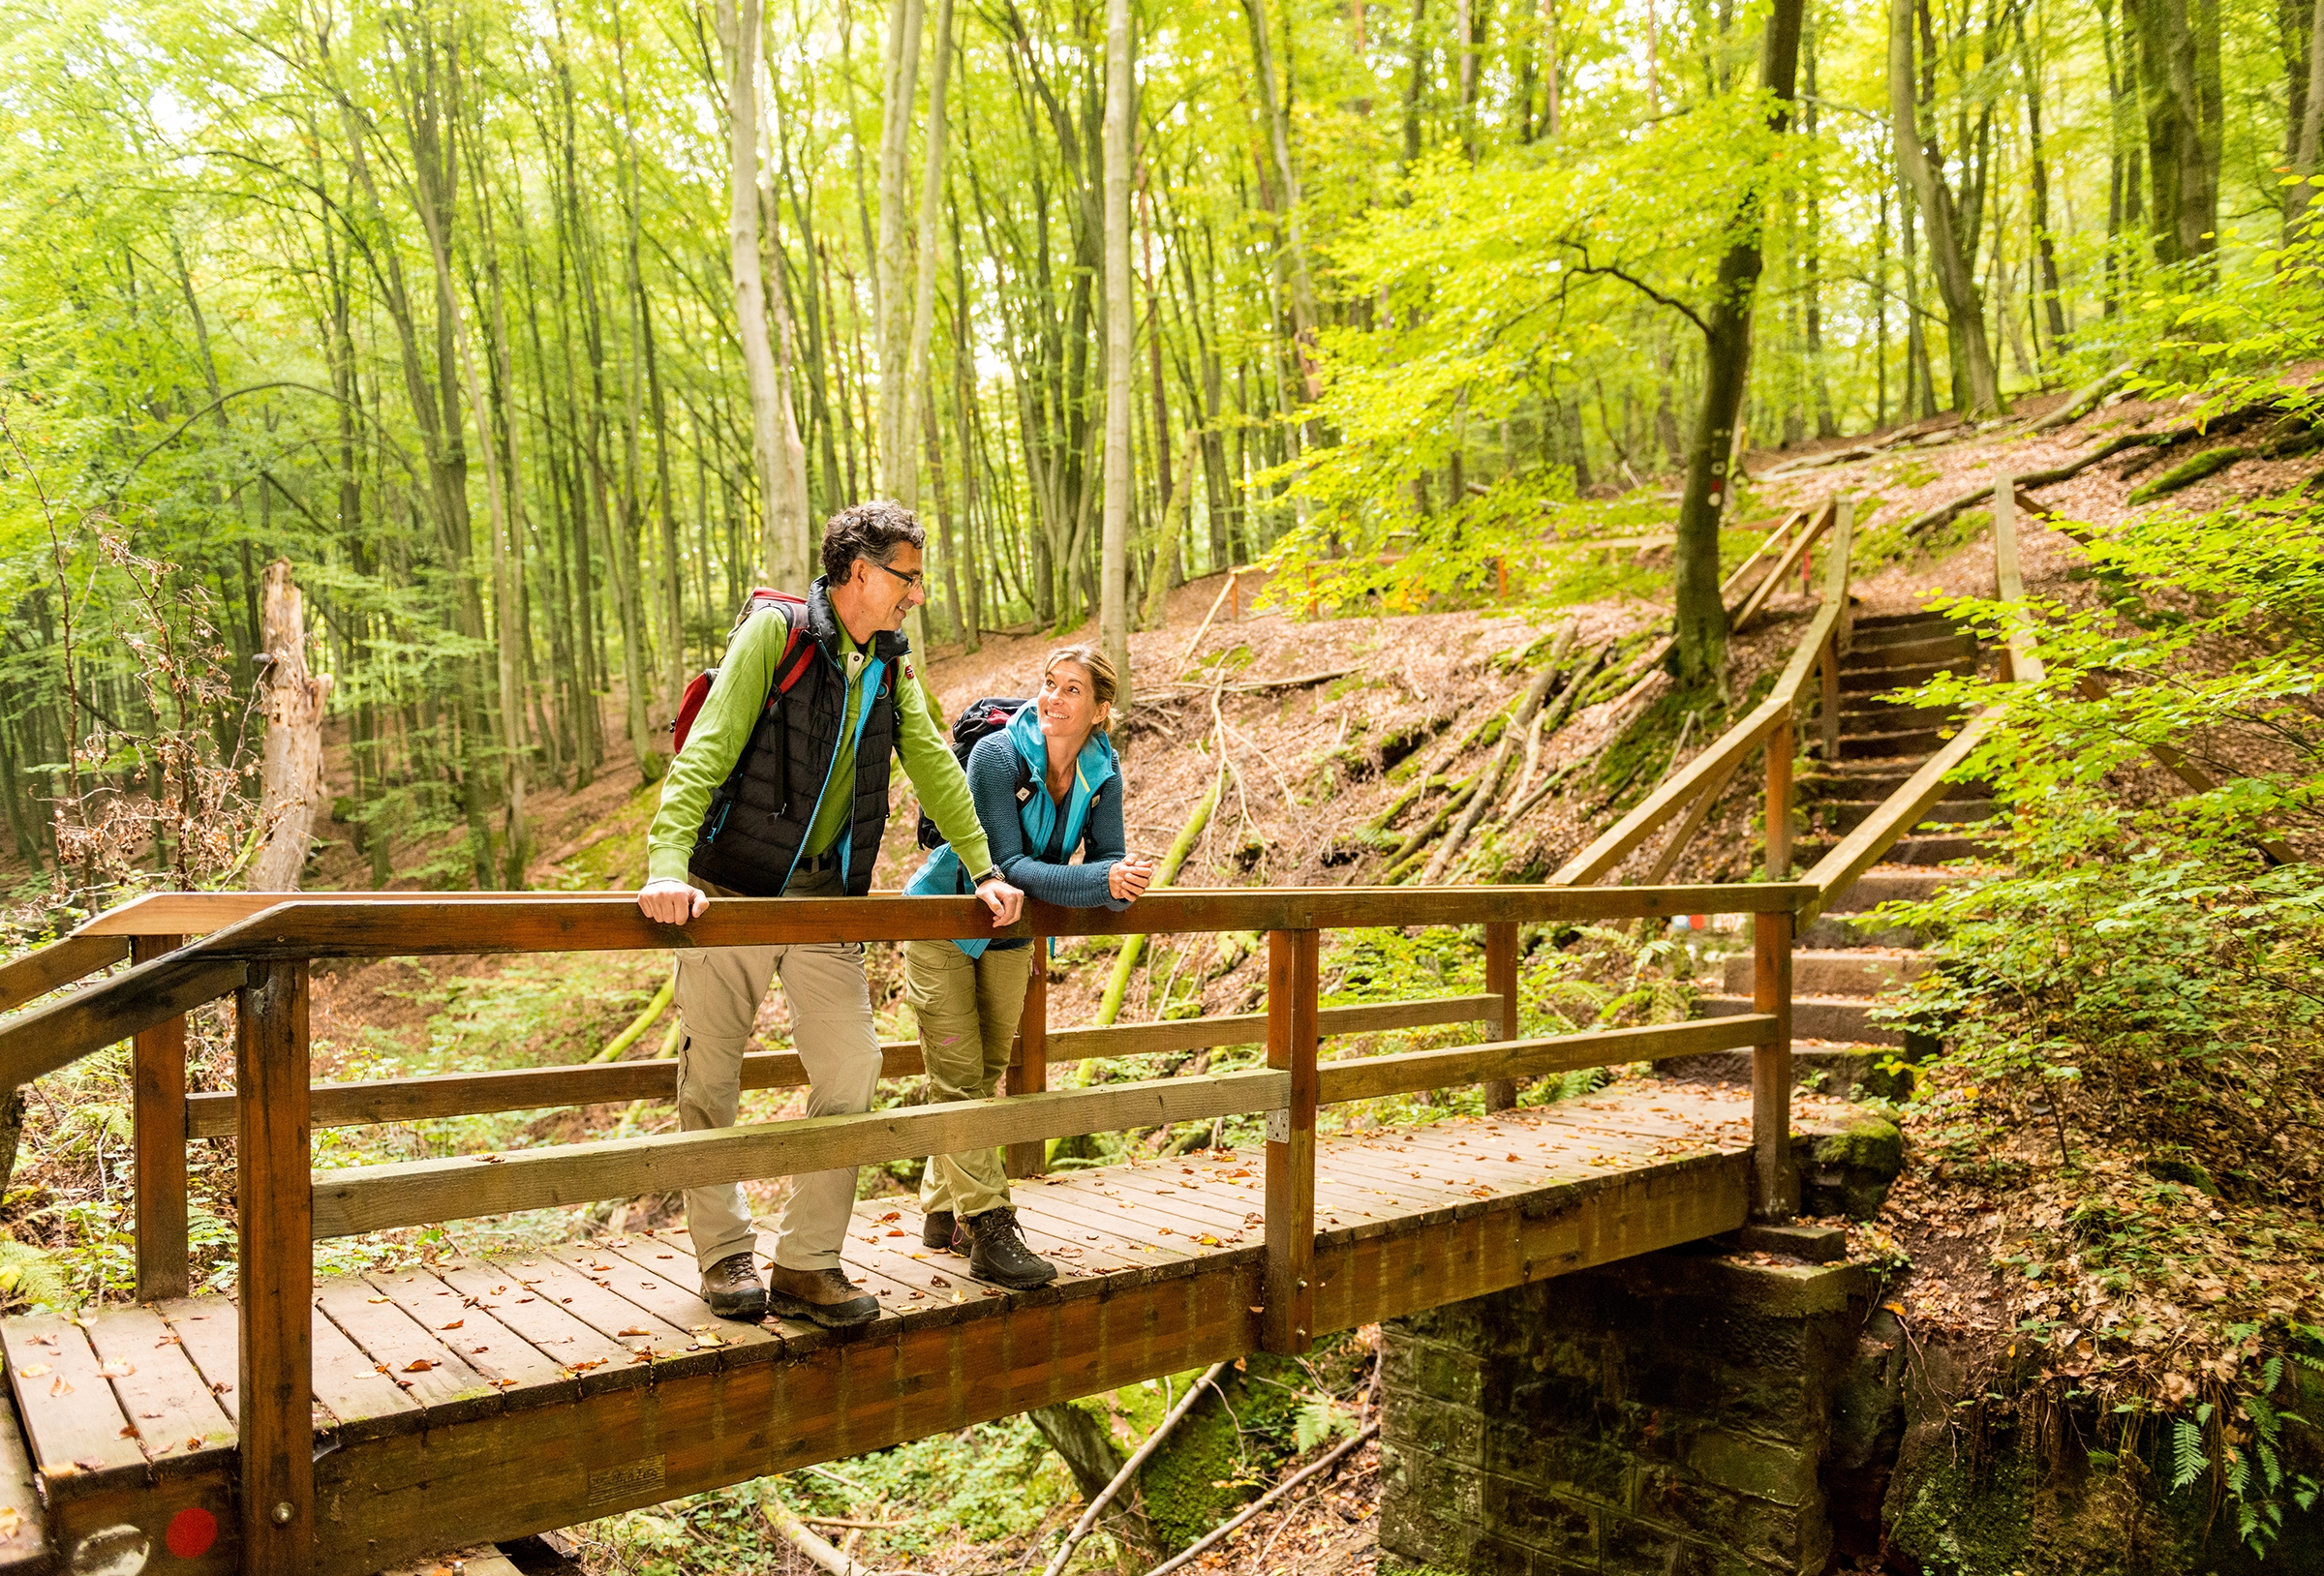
(1872, 837)
(1695, 788)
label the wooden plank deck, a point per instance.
(483, 1398)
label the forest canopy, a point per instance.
(532, 337)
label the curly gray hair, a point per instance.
(871, 531)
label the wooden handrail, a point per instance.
(357, 1199)
(1711, 768)
(57, 964)
(1373, 1078)
(358, 1102)
(41, 1040)
(1782, 571)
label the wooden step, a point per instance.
(1913, 744)
(1832, 932)
(1849, 1072)
(1891, 883)
(1875, 779)
(1840, 972)
(1879, 630)
(1875, 718)
(1909, 654)
(1845, 1019)
(1874, 681)
(1891, 621)
(1846, 814)
(1938, 849)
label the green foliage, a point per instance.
(2142, 995)
(30, 1277)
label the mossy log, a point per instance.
(2186, 472)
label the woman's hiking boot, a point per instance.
(997, 1252)
(825, 1296)
(937, 1230)
(733, 1290)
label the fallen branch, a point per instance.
(1408, 851)
(1256, 686)
(1489, 784)
(795, 1532)
(1129, 1469)
(1225, 1529)
(1216, 603)
(638, 1025)
(1930, 519)
(2086, 399)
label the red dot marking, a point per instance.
(191, 1531)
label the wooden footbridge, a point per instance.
(340, 1425)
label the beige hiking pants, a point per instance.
(719, 992)
(968, 1008)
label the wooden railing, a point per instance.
(1688, 794)
(263, 960)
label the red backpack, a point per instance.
(795, 653)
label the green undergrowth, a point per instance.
(2133, 1015)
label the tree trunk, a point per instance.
(290, 768)
(901, 77)
(1701, 615)
(2300, 195)
(778, 456)
(1955, 283)
(2045, 247)
(1122, 349)
(2177, 73)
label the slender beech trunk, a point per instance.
(1701, 615)
(778, 456)
(1955, 283)
(2299, 196)
(1122, 351)
(901, 76)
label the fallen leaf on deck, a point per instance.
(117, 1369)
(419, 1365)
(61, 1387)
(454, 1326)
(34, 1370)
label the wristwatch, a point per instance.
(991, 873)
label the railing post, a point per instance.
(158, 1108)
(1292, 1029)
(1501, 979)
(1774, 1185)
(1779, 801)
(1830, 709)
(277, 1271)
(1031, 1075)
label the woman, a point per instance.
(1047, 784)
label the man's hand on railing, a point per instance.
(1007, 902)
(671, 902)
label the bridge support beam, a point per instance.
(1293, 1025)
(1774, 1179)
(158, 1108)
(276, 1200)
(1501, 980)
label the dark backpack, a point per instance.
(795, 653)
(979, 719)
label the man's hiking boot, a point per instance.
(824, 1296)
(997, 1252)
(938, 1230)
(733, 1290)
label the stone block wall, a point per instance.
(1667, 1416)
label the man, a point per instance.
(783, 792)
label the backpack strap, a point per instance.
(797, 653)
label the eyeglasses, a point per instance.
(916, 582)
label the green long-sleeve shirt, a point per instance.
(723, 727)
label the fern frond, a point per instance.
(2187, 1453)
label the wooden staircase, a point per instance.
(1842, 965)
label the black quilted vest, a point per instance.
(751, 833)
